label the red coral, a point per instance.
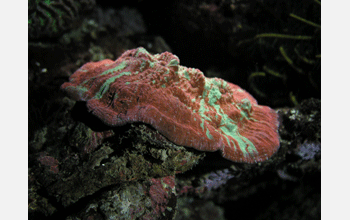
(207, 114)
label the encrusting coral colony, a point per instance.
(207, 114)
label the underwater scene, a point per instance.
(174, 110)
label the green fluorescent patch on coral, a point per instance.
(104, 88)
(173, 62)
(121, 66)
(228, 126)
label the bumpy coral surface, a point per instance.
(207, 114)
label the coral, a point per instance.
(49, 18)
(208, 114)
